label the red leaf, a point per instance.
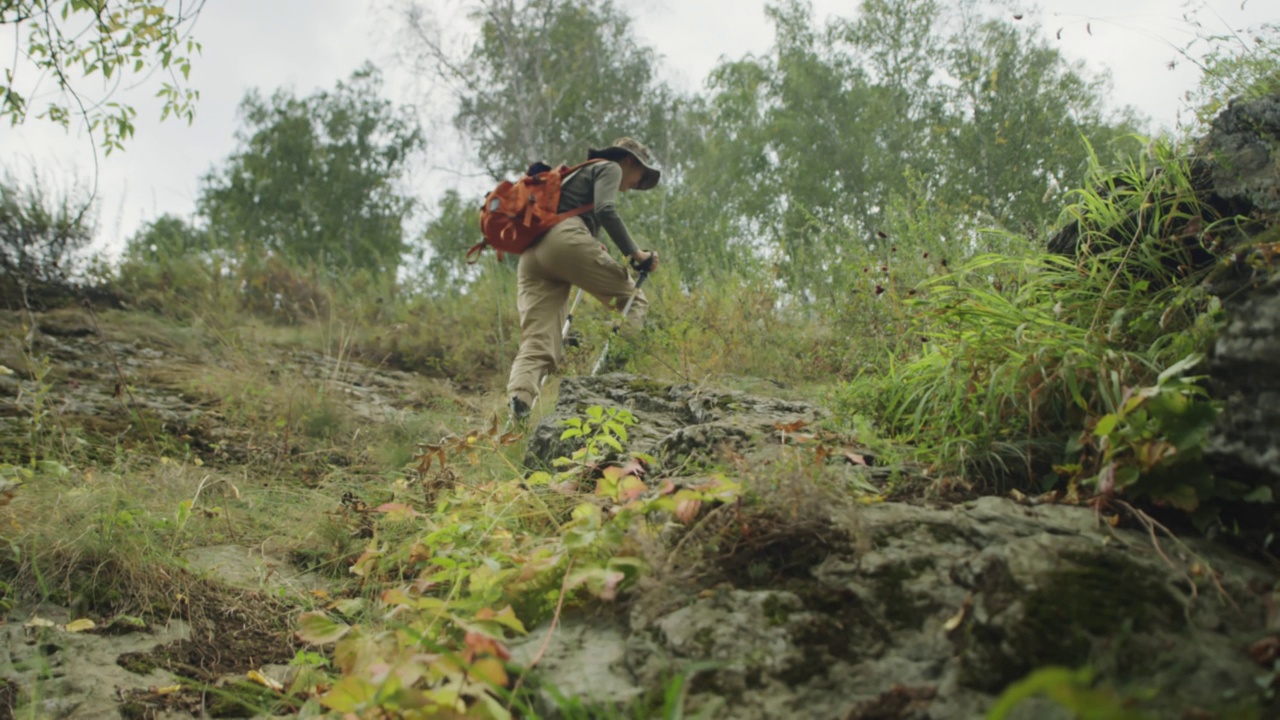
(633, 467)
(612, 579)
(687, 510)
(791, 426)
(1107, 480)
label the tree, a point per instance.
(166, 238)
(74, 40)
(1023, 116)
(543, 80)
(912, 103)
(39, 235)
(448, 236)
(316, 178)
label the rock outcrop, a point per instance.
(806, 603)
(1243, 153)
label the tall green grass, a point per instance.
(1021, 356)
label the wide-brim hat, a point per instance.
(624, 146)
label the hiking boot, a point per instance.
(519, 409)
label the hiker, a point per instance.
(569, 254)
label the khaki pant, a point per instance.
(567, 255)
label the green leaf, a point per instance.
(1260, 494)
(351, 694)
(318, 628)
(1106, 425)
(507, 618)
(1183, 497)
(52, 467)
(1126, 476)
(1179, 367)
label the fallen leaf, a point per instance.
(264, 681)
(80, 625)
(956, 620)
(39, 622)
(609, 591)
(397, 512)
(791, 426)
(481, 645)
(633, 467)
(166, 690)
(1265, 651)
(854, 458)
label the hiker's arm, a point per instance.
(606, 195)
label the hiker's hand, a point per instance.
(644, 260)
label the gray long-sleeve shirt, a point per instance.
(598, 183)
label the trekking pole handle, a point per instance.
(645, 267)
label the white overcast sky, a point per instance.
(307, 45)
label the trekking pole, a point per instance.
(644, 275)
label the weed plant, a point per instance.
(1028, 362)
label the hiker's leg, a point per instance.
(581, 260)
(541, 302)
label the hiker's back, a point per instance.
(516, 213)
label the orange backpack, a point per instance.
(517, 213)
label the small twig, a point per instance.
(555, 619)
(675, 551)
(1151, 524)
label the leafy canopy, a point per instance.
(72, 41)
(316, 178)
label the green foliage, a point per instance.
(804, 150)
(546, 79)
(64, 40)
(1152, 443)
(1023, 354)
(452, 230)
(601, 428)
(1071, 690)
(39, 234)
(316, 178)
(1242, 64)
(165, 240)
(480, 561)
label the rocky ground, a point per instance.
(826, 607)
(116, 380)
(816, 604)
